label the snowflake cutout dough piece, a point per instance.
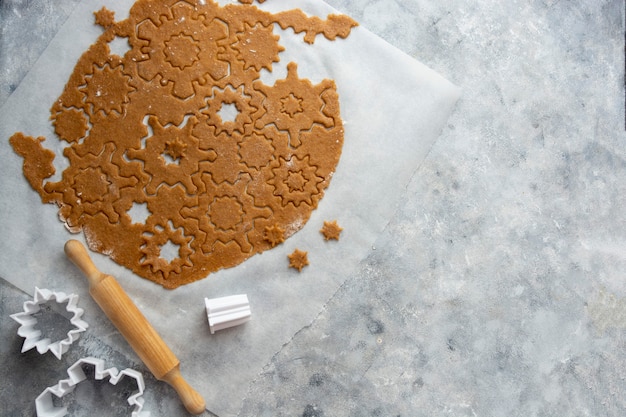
(44, 403)
(32, 334)
(331, 230)
(298, 259)
(274, 235)
(104, 17)
(182, 124)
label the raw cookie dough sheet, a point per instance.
(393, 109)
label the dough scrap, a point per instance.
(181, 125)
(331, 230)
(298, 259)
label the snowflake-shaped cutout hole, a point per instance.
(91, 371)
(228, 112)
(43, 316)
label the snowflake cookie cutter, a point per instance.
(28, 322)
(44, 402)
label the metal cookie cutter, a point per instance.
(32, 335)
(44, 402)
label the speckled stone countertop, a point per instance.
(499, 286)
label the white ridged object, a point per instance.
(225, 312)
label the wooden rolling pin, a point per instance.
(134, 326)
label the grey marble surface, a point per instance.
(498, 288)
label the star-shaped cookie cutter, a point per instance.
(44, 402)
(28, 323)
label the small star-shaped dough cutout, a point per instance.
(274, 234)
(331, 230)
(291, 105)
(104, 17)
(298, 259)
(175, 148)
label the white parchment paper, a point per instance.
(393, 109)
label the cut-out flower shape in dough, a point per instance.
(295, 181)
(107, 90)
(258, 47)
(182, 54)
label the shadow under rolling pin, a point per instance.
(134, 326)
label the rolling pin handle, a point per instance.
(191, 399)
(77, 253)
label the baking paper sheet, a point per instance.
(393, 109)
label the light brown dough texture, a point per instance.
(181, 127)
(331, 230)
(298, 259)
